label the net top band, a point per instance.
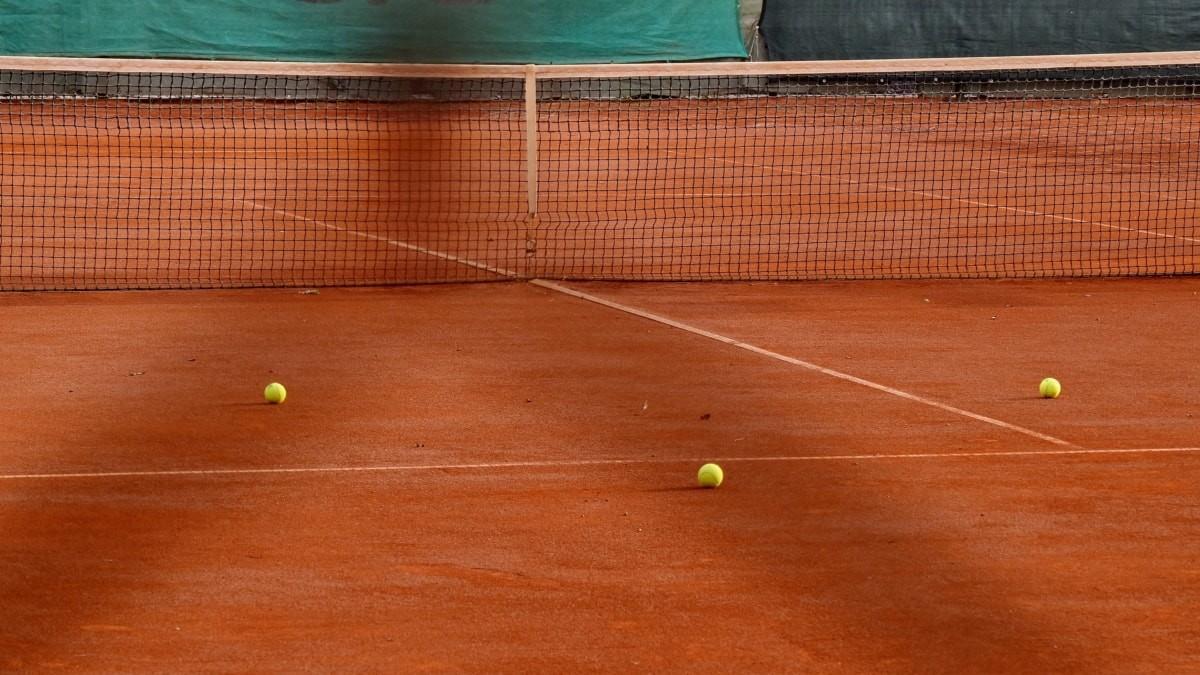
(453, 71)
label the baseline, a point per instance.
(565, 464)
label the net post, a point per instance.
(531, 139)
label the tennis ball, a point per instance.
(710, 476)
(1050, 388)
(275, 393)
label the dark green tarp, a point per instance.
(425, 31)
(872, 29)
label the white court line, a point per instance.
(796, 362)
(1161, 193)
(566, 464)
(392, 242)
(935, 195)
(694, 330)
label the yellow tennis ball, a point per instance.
(710, 476)
(1050, 388)
(275, 393)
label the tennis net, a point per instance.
(177, 174)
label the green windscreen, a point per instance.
(407, 31)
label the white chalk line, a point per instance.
(942, 197)
(797, 362)
(391, 242)
(693, 330)
(581, 463)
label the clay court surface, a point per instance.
(500, 478)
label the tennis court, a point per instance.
(501, 476)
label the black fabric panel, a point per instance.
(872, 29)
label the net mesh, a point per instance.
(170, 180)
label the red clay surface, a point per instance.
(825, 559)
